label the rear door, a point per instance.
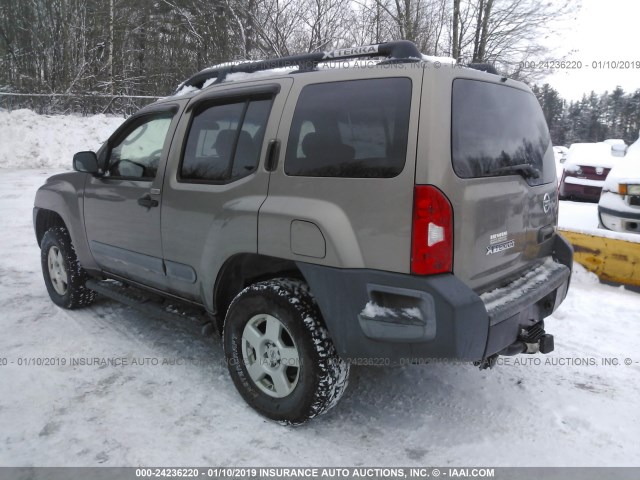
(216, 181)
(489, 150)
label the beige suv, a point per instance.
(377, 215)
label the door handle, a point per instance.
(147, 201)
(273, 150)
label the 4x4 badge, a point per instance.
(546, 203)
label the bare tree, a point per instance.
(455, 48)
(326, 23)
(507, 32)
(147, 47)
(111, 45)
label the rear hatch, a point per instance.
(489, 151)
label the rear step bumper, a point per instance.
(382, 318)
(523, 303)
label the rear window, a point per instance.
(499, 130)
(352, 129)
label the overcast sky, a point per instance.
(602, 30)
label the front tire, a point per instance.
(280, 355)
(64, 277)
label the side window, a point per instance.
(138, 154)
(224, 141)
(355, 129)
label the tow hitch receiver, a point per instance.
(546, 343)
(531, 340)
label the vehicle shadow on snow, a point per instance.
(378, 398)
(372, 391)
(401, 396)
(168, 338)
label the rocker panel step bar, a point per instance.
(154, 305)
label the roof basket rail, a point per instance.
(398, 50)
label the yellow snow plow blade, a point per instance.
(611, 259)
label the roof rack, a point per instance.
(400, 50)
(483, 67)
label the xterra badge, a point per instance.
(499, 242)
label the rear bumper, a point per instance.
(523, 303)
(382, 318)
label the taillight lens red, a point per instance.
(432, 235)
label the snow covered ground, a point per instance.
(564, 409)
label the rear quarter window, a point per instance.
(355, 128)
(496, 127)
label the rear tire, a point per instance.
(64, 277)
(279, 353)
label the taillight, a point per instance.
(432, 235)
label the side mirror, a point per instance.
(86, 162)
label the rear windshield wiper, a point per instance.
(524, 169)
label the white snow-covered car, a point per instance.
(619, 206)
(585, 171)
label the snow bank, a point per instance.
(29, 140)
